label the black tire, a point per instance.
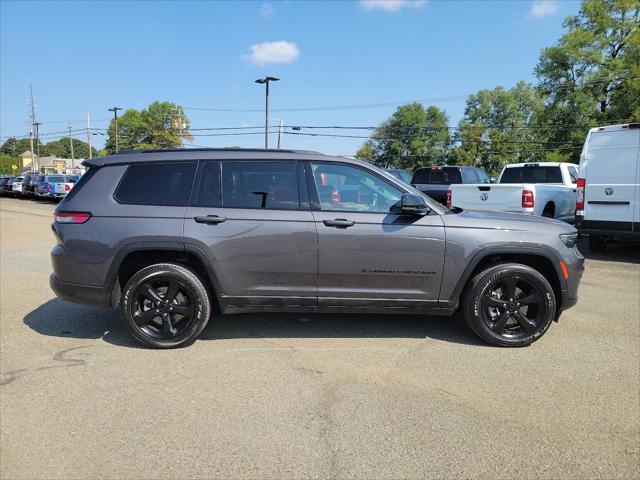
(597, 244)
(504, 320)
(161, 322)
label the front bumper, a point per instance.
(574, 263)
(76, 293)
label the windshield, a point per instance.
(532, 174)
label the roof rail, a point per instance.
(212, 149)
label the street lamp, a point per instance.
(266, 81)
(115, 115)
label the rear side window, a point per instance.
(209, 185)
(469, 175)
(167, 184)
(573, 174)
(437, 176)
(532, 174)
(264, 184)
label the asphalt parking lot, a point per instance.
(278, 396)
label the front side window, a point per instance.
(262, 184)
(483, 177)
(167, 184)
(352, 189)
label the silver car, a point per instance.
(163, 236)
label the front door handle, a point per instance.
(339, 222)
(209, 219)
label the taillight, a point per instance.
(67, 188)
(48, 187)
(335, 195)
(449, 198)
(581, 184)
(527, 199)
(71, 217)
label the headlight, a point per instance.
(569, 239)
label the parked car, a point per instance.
(544, 189)
(435, 181)
(162, 235)
(54, 186)
(400, 174)
(29, 184)
(6, 184)
(608, 203)
(16, 186)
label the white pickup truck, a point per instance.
(547, 189)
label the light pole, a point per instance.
(115, 115)
(266, 81)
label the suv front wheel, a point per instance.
(165, 305)
(509, 305)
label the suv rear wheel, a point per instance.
(509, 305)
(165, 305)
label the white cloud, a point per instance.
(391, 5)
(267, 11)
(544, 8)
(273, 52)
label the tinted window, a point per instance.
(437, 176)
(573, 173)
(469, 175)
(209, 185)
(532, 174)
(483, 177)
(351, 189)
(57, 179)
(157, 184)
(264, 184)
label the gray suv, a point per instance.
(164, 236)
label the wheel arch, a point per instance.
(134, 257)
(550, 206)
(540, 258)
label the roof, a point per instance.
(138, 156)
(544, 164)
(26, 153)
(613, 128)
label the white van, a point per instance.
(608, 204)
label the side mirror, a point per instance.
(412, 204)
(493, 180)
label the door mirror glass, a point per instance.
(412, 204)
(493, 180)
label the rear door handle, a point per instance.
(339, 222)
(209, 219)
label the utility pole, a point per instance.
(33, 121)
(33, 164)
(37, 125)
(71, 143)
(115, 115)
(266, 81)
(280, 132)
(89, 135)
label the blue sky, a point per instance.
(89, 56)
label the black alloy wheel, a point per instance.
(509, 305)
(513, 307)
(165, 305)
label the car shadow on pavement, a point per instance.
(627, 252)
(58, 318)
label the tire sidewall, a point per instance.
(200, 298)
(485, 280)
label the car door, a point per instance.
(368, 253)
(252, 220)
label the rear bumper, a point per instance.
(76, 293)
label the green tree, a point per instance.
(7, 162)
(161, 125)
(62, 148)
(498, 127)
(16, 147)
(591, 76)
(410, 138)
